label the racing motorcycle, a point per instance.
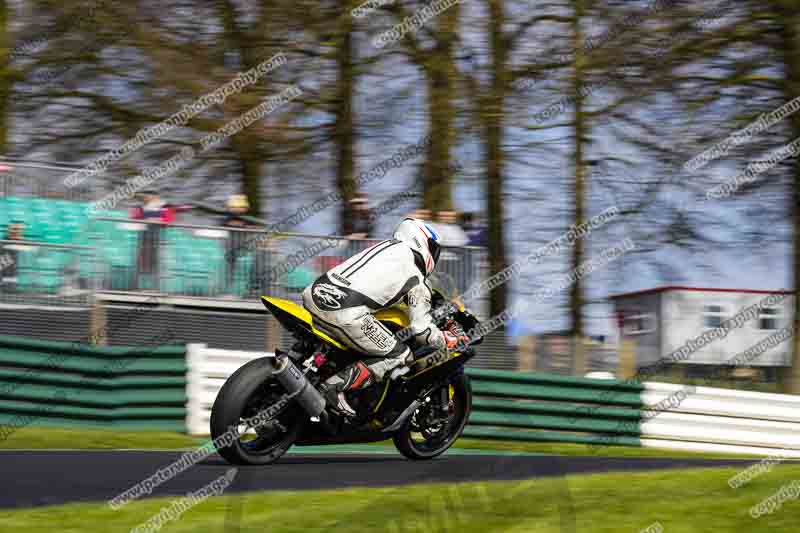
(272, 403)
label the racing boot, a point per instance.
(360, 376)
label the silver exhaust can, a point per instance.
(296, 384)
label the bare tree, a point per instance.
(788, 20)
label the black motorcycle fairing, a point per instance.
(400, 394)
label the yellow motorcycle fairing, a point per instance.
(291, 315)
(394, 315)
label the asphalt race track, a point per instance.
(55, 477)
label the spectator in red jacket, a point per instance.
(154, 208)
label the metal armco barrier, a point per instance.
(553, 408)
(68, 384)
(173, 388)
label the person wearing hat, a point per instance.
(237, 205)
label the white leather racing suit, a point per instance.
(344, 299)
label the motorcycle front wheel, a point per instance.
(248, 392)
(428, 433)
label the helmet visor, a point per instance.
(435, 250)
(433, 244)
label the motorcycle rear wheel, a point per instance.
(418, 441)
(248, 391)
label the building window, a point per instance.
(769, 318)
(714, 316)
(639, 324)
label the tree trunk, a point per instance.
(579, 133)
(250, 46)
(5, 80)
(493, 118)
(250, 163)
(441, 75)
(789, 19)
(344, 138)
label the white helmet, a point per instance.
(423, 241)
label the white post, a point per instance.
(195, 361)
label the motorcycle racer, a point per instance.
(343, 301)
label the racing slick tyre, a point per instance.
(248, 392)
(428, 434)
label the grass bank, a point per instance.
(680, 501)
(36, 438)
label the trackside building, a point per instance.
(668, 320)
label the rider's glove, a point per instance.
(454, 334)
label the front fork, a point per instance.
(444, 393)
(444, 400)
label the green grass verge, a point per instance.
(681, 501)
(569, 449)
(753, 385)
(36, 438)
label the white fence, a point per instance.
(208, 370)
(723, 420)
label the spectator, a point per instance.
(421, 214)
(477, 233)
(9, 254)
(450, 232)
(237, 206)
(363, 227)
(15, 231)
(363, 220)
(153, 209)
(452, 262)
(424, 214)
